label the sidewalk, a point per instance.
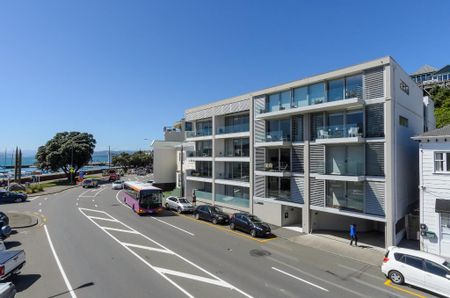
(52, 190)
(366, 253)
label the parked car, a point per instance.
(11, 262)
(7, 290)
(12, 196)
(87, 183)
(250, 224)
(5, 230)
(179, 204)
(211, 213)
(417, 268)
(118, 184)
(113, 176)
(4, 218)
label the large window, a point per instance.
(336, 90)
(345, 160)
(279, 101)
(234, 124)
(203, 148)
(237, 147)
(353, 86)
(203, 169)
(317, 93)
(278, 130)
(345, 195)
(301, 97)
(442, 162)
(298, 131)
(233, 195)
(237, 171)
(279, 188)
(278, 160)
(203, 128)
(340, 125)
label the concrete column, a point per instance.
(306, 212)
(251, 142)
(213, 167)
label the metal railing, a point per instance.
(338, 131)
(233, 129)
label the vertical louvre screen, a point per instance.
(374, 83)
(375, 198)
(316, 123)
(260, 125)
(317, 193)
(375, 159)
(297, 159)
(259, 186)
(317, 157)
(297, 128)
(259, 159)
(297, 189)
(375, 120)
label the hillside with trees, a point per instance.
(441, 98)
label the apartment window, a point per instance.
(317, 93)
(279, 188)
(279, 101)
(442, 162)
(203, 148)
(403, 121)
(345, 195)
(298, 128)
(234, 124)
(278, 130)
(336, 90)
(301, 96)
(285, 100)
(237, 147)
(237, 171)
(278, 160)
(204, 128)
(354, 86)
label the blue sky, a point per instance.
(121, 70)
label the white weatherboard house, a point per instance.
(434, 161)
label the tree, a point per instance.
(122, 160)
(441, 98)
(141, 159)
(66, 150)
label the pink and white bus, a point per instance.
(143, 198)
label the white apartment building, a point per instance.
(434, 161)
(323, 152)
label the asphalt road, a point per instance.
(88, 244)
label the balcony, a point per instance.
(236, 201)
(203, 195)
(199, 175)
(274, 169)
(275, 139)
(335, 134)
(316, 105)
(238, 130)
(352, 171)
(199, 134)
(200, 155)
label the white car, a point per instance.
(179, 204)
(417, 268)
(118, 184)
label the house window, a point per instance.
(442, 161)
(403, 121)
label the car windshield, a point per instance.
(254, 219)
(216, 210)
(447, 265)
(184, 201)
(150, 199)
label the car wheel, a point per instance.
(232, 227)
(197, 216)
(214, 221)
(179, 210)
(396, 277)
(253, 233)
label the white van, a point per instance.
(417, 268)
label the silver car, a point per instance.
(179, 204)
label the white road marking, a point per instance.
(147, 247)
(32, 199)
(175, 227)
(66, 280)
(95, 191)
(45, 199)
(93, 200)
(120, 230)
(194, 277)
(164, 248)
(300, 279)
(96, 205)
(102, 218)
(40, 210)
(76, 204)
(40, 204)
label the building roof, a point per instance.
(445, 69)
(424, 69)
(439, 132)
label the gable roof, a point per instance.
(439, 132)
(424, 69)
(445, 69)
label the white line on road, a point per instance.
(300, 279)
(32, 199)
(96, 191)
(194, 277)
(66, 280)
(146, 247)
(175, 227)
(102, 218)
(120, 230)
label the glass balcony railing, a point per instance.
(205, 195)
(204, 153)
(202, 174)
(275, 167)
(233, 129)
(278, 136)
(347, 203)
(234, 153)
(236, 201)
(342, 168)
(228, 176)
(339, 131)
(198, 133)
(279, 194)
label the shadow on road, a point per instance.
(88, 284)
(24, 281)
(11, 244)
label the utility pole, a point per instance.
(109, 157)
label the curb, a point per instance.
(35, 222)
(50, 193)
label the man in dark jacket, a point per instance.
(353, 235)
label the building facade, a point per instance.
(434, 161)
(428, 77)
(323, 152)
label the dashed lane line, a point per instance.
(146, 247)
(300, 279)
(165, 273)
(58, 262)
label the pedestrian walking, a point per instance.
(353, 235)
(194, 198)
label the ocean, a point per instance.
(30, 160)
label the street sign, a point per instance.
(71, 170)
